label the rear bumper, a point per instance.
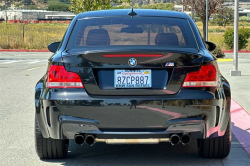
(69, 127)
(61, 116)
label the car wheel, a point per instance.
(216, 147)
(48, 148)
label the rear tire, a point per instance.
(48, 148)
(216, 147)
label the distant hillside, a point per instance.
(40, 4)
(44, 3)
(53, 5)
(59, 5)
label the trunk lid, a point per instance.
(97, 68)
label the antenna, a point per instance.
(132, 13)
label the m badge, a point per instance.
(169, 64)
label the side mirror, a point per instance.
(210, 46)
(53, 46)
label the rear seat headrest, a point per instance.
(98, 37)
(166, 39)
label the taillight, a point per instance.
(205, 77)
(58, 77)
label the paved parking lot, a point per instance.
(18, 79)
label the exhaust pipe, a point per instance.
(185, 139)
(175, 139)
(79, 139)
(90, 140)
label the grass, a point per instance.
(38, 36)
(215, 33)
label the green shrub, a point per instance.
(244, 18)
(244, 34)
(218, 53)
(229, 38)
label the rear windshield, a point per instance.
(128, 31)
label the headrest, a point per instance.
(98, 37)
(166, 39)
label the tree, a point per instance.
(3, 7)
(127, 6)
(139, 2)
(65, 1)
(27, 2)
(58, 7)
(199, 7)
(224, 17)
(32, 7)
(161, 6)
(163, 1)
(78, 6)
(42, 1)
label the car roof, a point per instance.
(124, 12)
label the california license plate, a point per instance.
(132, 79)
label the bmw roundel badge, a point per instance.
(132, 62)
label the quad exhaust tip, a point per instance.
(175, 139)
(185, 139)
(79, 139)
(90, 140)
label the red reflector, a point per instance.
(132, 55)
(58, 77)
(205, 77)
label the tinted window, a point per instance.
(122, 31)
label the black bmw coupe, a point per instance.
(132, 77)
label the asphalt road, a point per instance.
(19, 73)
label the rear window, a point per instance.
(128, 31)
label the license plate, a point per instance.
(132, 79)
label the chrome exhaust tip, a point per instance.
(90, 140)
(175, 139)
(79, 139)
(185, 139)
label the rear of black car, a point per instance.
(141, 79)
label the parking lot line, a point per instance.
(8, 62)
(36, 67)
(34, 62)
(224, 60)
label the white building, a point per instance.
(35, 15)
